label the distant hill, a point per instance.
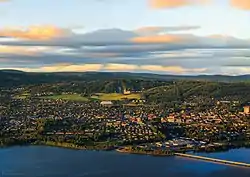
(191, 90)
(16, 78)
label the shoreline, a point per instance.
(61, 145)
(151, 153)
(125, 150)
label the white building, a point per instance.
(246, 109)
(106, 103)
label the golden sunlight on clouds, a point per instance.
(157, 39)
(171, 69)
(174, 3)
(65, 67)
(17, 50)
(34, 33)
(120, 67)
(241, 4)
(218, 36)
(149, 29)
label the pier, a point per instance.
(226, 162)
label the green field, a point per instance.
(70, 97)
(98, 96)
(22, 96)
(115, 96)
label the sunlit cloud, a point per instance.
(171, 69)
(120, 67)
(157, 39)
(34, 32)
(63, 68)
(111, 67)
(158, 4)
(111, 38)
(241, 4)
(17, 50)
(148, 30)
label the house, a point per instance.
(126, 92)
(106, 103)
(247, 109)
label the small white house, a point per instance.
(106, 103)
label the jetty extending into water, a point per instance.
(226, 162)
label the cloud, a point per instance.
(101, 55)
(65, 67)
(120, 67)
(241, 4)
(161, 29)
(117, 38)
(18, 50)
(152, 50)
(236, 70)
(187, 61)
(158, 4)
(101, 37)
(35, 33)
(171, 69)
(156, 39)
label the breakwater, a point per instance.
(227, 162)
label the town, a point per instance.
(125, 120)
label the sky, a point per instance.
(180, 37)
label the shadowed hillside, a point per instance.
(16, 78)
(189, 90)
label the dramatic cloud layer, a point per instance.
(160, 47)
(148, 49)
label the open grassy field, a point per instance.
(22, 96)
(98, 96)
(115, 96)
(70, 97)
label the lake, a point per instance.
(40, 161)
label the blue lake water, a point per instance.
(38, 161)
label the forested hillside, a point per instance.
(17, 78)
(188, 90)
